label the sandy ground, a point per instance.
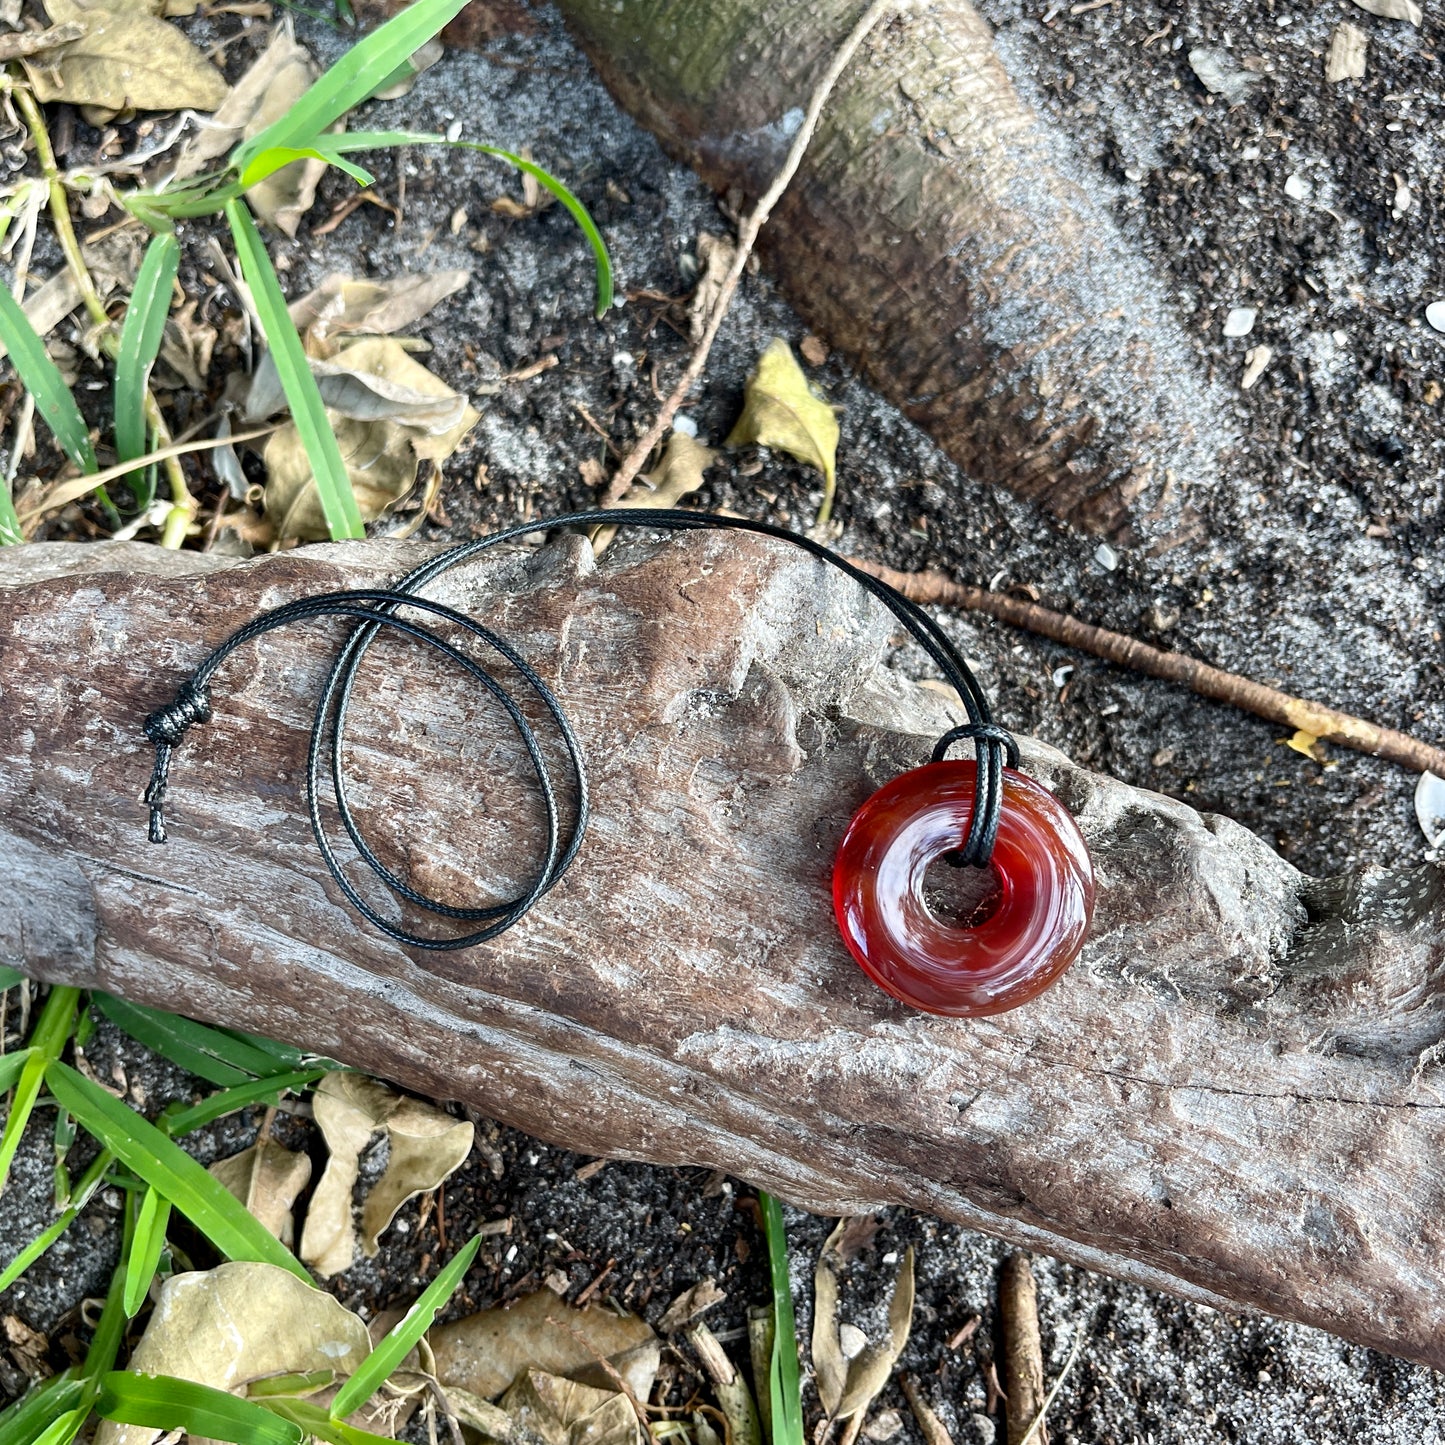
(1329, 582)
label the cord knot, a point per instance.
(979, 734)
(165, 728)
(191, 705)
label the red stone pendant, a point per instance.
(1031, 933)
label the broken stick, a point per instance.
(1213, 682)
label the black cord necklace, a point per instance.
(372, 609)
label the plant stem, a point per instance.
(184, 506)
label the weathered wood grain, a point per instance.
(1233, 1095)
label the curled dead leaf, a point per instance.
(342, 307)
(677, 475)
(426, 1146)
(271, 86)
(848, 1386)
(266, 1178)
(781, 410)
(484, 1353)
(389, 414)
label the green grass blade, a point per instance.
(165, 1403)
(11, 1066)
(278, 157)
(145, 1249)
(352, 79)
(287, 1055)
(308, 411)
(63, 1430)
(80, 1197)
(367, 140)
(217, 1213)
(10, 534)
(258, 1091)
(296, 1384)
(9, 977)
(783, 1375)
(140, 343)
(219, 1058)
(394, 1347)
(318, 1424)
(23, 1422)
(40, 376)
(52, 1029)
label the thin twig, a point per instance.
(748, 231)
(78, 487)
(1036, 1424)
(1212, 682)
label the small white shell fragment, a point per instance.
(685, 424)
(1394, 10)
(1430, 808)
(852, 1341)
(1255, 361)
(1435, 315)
(1061, 675)
(1403, 198)
(1296, 188)
(1220, 74)
(1240, 321)
(1106, 556)
(1346, 58)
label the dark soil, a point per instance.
(1346, 448)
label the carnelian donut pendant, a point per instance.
(1030, 935)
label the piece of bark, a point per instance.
(1233, 1094)
(937, 232)
(1023, 1351)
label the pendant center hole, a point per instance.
(960, 897)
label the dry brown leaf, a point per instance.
(690, 1304)
(427, 1146)
(341, 307)
(376, 377)
(848, 1387)
(485, 1352)
(348, 1110)
(127, 60)
(29, 1347)
(263, 94)
(563, 1412)
(676, 476)
(266, 1178)
(780, 410)
(38, 42)
(240, 1322)
(715, 256)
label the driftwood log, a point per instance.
(942, 236)
(1233, 1095)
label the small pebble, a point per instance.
(1240, 321)
(1403, 198)
(685, 424)
(1106, 556)
(1435, 315)
(1296, 188)
(983, 1428)
(1255, 361)
(852, 1341)
(884, 1425)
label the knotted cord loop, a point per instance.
(375, 609)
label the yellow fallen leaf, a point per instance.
(781, 410)
(127, 60)
(1306, 743)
